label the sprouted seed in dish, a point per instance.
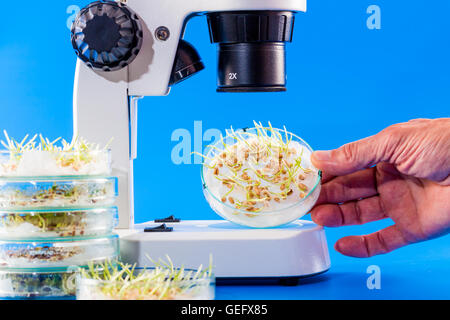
(83, 193)
(60, 225)
(39, 156)
(15, 284)
(57, 254)
(56, 223)
(163, 282)
(259, 171)
(50, 254)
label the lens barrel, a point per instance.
(249, 67)
(251, 50)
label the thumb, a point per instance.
(353, 156)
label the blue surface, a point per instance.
(420, 271)
(345, 82)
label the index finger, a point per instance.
(354, 186)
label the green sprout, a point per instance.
(62, 223)
(59, 284)
(265, 146)
(120, 281)
(67, 154)
(61, 194)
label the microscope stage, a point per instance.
(295, 250)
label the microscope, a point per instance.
(131, 49)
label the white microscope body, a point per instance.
(105, 106)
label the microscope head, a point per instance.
(108, 35)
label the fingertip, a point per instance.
(314, 162)
(352, 246)
(318, 216)
(322, 155)
(337, 246)
(326, 161)
(324, 215)
(319, 157)
(315, 217)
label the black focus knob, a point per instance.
(107, 35)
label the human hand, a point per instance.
(410, 183)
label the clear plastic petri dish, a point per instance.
(38, 284)
(55, 163)
(144, 286)
(260, 177)
(58, 252)
(57, 192)
(54, 223)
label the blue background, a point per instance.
(345, 82)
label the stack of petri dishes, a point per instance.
(57, 214)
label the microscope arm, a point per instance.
(101, 112)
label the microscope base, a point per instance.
(293, 251)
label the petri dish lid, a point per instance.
(62, 222)
(58, 252)
(56, 178)
(70, 240)
(58, 191)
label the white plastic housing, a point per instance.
(296, 250)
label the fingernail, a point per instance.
(322, 155)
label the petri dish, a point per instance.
(55, 163)
(54, 223)
(260, 177)
(58, 252)
(38, 284)
(57, 192)
(145, 287)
